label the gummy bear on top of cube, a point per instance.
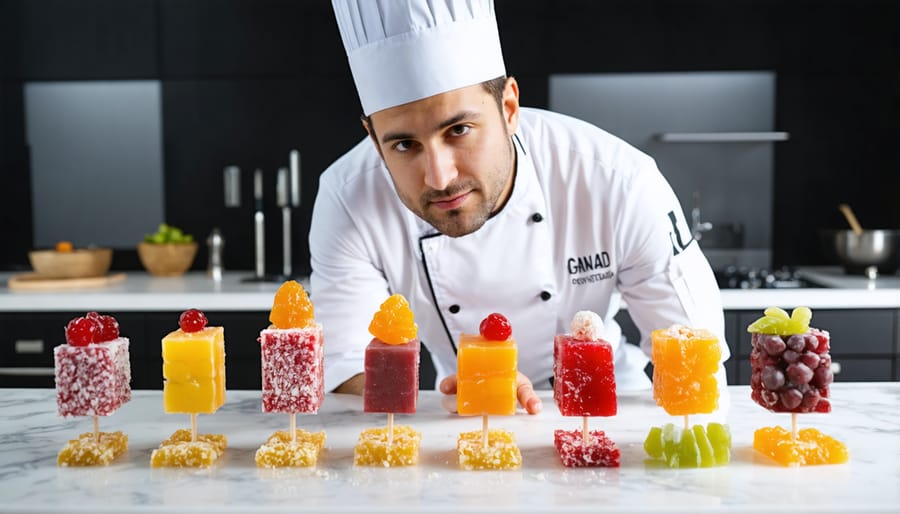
(93, 368)
(292, 354)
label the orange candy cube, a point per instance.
(486, 374)
(685, 362)
(811, 447)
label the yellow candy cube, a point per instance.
(486, 374)
(279, 451)
(375, 448)
(501, 451)
(194, 371)
(89, 450)
(181, 452)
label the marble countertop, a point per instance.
(865, 416)
(143, 292)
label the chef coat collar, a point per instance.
(518, 203)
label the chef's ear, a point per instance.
(367, 124)
(510, 104)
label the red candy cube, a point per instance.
(599, 450)
(293, 372)
(392, 377)
(584, 382)
(92, 380)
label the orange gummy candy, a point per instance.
(393, 323)
(292, 307)
(811, 447)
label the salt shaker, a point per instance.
(216, 243)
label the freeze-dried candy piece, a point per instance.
(375, 447)
(293, 371)
(92, 380)
(179, 451)
(600, 450)
(685, 363)
(93, 449)
(501, 451)
(279, 451)
(811, 447)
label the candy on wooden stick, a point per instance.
(791, 372)
(486, 385)
(391, 386)
(93, 378)
(292, 356)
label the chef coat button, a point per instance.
(454, 309)
(545, 295)
(537, 218)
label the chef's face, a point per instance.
(451, 155)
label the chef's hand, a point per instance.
(528, 399)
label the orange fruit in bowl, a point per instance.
(64, 247)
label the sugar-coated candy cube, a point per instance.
(685, 363)
(600, 450)
(584, 382)
(91, 450)
(179, 451)
(392, 377)
(293, 371)
(690, 448)
(501, 451)
(811, 447)
(92, 380)
(375, 447)
(194, 370)
(279, 451)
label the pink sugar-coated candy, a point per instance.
(92, 380)
(600, 450)
(293, 373)
(584, 382)
(392, 377)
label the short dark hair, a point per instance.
(494, 86)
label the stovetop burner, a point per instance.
(741, 277)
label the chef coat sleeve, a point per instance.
(663, 276)
(346, 286)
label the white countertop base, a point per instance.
(866, 417)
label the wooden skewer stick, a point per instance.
(96, 429)
(390, 428)
(193, 427)
(687, 424)
(851, 218)
(293, 427)
(585, 435)
(794, 433)
(484, 430)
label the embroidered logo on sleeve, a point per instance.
(678, 244)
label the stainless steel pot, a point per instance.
(871, 252)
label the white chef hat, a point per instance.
(401, 51)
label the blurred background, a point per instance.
(116, 115)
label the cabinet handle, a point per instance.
(29, 346)
(28, 372)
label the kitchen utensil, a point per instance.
(868, 253)
(216, 244)
(78, 263)
(259, 225)
(851, 218)
(282, 193)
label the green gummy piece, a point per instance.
(777, 321)
(653, 444)
(766, 325)
(720, 438)
(776, 312)
(707, 457)
(671, 437)
(689, 453)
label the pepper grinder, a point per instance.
(216, 244)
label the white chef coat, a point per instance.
(590, 219)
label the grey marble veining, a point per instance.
(865, 416)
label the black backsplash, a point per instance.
(245, 81)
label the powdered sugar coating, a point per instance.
(599, 451)
(93, 380)
(293, 372)
(587, 326)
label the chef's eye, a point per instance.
(459, 130)
(403, 145)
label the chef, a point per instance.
(468, 204)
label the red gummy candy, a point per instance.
(192, 320)
(495, 327)
(108, 327)
(81, 331)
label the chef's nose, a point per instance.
(440, 168)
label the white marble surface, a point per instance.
(143, 292)
(865, 416)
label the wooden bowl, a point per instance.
(168, 259)
(79, 263)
